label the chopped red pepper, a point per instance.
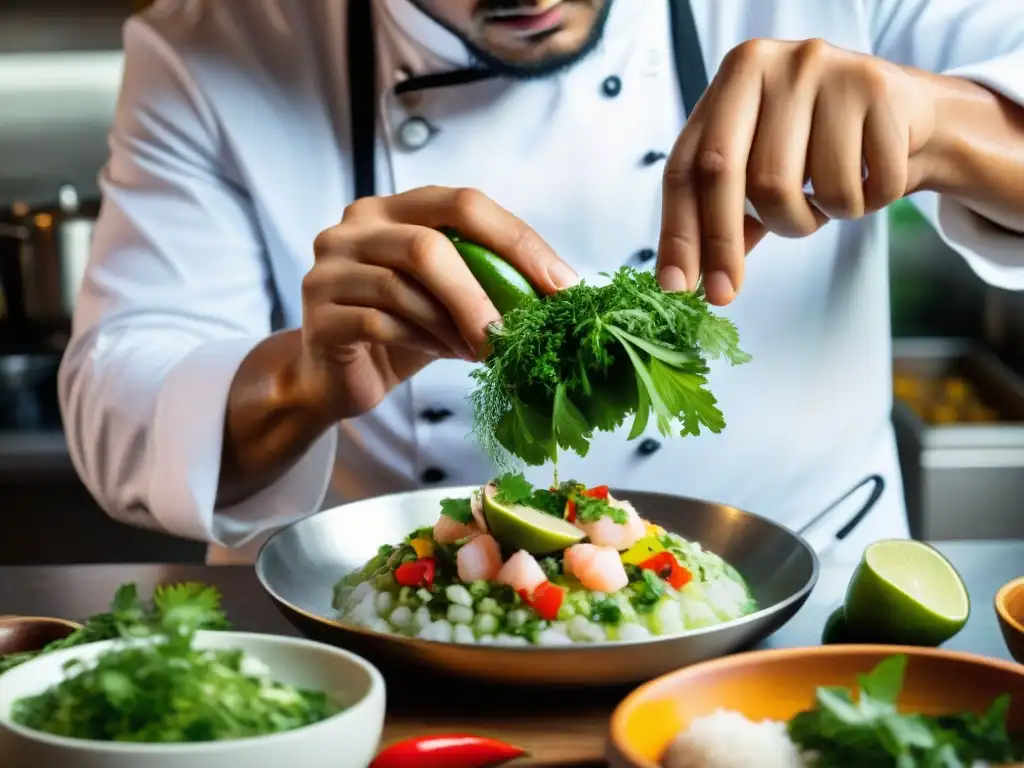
(546, 600)
(597, 492)
(668, 568)
(447, 751)
(418, 573)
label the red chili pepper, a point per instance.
(447, 751)
(546, 600)
(570, 510)
(597, 492)
(418, 573)
(667, 567)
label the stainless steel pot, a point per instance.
(299, 566)
(53, 249)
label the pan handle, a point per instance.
(831, 525)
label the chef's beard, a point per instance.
(529, 70)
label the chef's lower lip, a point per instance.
(527, 22)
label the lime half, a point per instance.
(906, 593)
(518, 527)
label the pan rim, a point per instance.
(761, 614)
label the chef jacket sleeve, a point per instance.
(176, 293)
(979, 40)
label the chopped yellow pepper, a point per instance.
(423, 547)
(642, 551)
(654, 530)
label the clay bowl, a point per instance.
(1010, 610)
(777, 684)
(22, 634)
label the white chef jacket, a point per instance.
(231, 151)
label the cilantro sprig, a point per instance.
(585, 359)
(196, 605)
(872, 732)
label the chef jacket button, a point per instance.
(612, 86)
(433, 475)
(648, 446)
(414, 133)
(435, 415)
(644, 255)
(653, 157)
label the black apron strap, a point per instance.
(362, 89)
(693, 76)
(362, 80)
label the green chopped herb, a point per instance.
(513, 489)
(130, 617)
(459, 510)
(552, 567)
(607, 611)
(872, 732)
(590, 510)
(586, 358)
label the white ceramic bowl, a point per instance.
(349, 739)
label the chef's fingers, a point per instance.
(720, 167)
(430, 258)
(483, 221)
(365, 285)
(886, 154)
(335, 325)
(778, 159)
(678, 266)
(835, 161)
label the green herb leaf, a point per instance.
(587, 358)
(459, 510)
(513, 489)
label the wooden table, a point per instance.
(565, 728)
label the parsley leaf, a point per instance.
(587, 358)
(513, 489)
(459, 510)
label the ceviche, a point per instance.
(518, 565)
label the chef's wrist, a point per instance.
(277, 408)
(974, 153)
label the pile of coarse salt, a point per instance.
(726, 739)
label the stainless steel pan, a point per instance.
(299, 565)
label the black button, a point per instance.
(433, 475)
(644, 255)
(612, 86)
(436, 415)
(648, 446)
(653, 157)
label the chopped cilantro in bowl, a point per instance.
(165, 690)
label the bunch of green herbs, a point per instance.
(129, 616)
(585, 359)
(156, 687)
(872, 732)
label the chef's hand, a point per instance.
(388, 293)
(777, 114)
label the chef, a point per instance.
(269, 322)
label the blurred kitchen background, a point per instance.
(959, 360)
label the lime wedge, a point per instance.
(518, 527)
(905, 592)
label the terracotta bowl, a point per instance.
(19, 634)
(1010, 610)
(777, 684)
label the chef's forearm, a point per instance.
(977, 153)
(273, 417)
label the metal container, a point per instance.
(963, 478)
(52, 248)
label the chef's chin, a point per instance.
(497, 35)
